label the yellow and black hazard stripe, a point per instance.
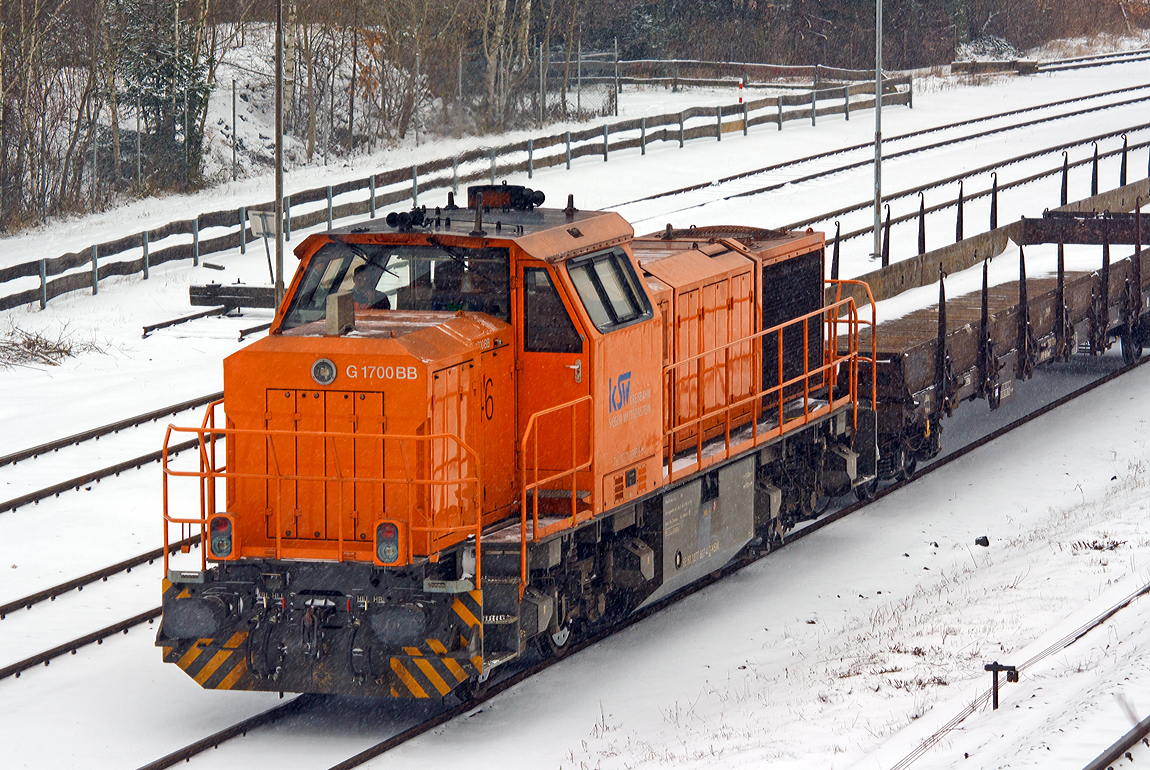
(469, 608)
(214, 665)
(421, 675)
(173, 591)
(429, 670)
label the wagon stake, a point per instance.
(834, 253)
(1062, 321)
(1027, 344)
(958, 221)
(921, 224)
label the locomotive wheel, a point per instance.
(866, 491)
(909, 465)
(815, 504)
(557, 644)
(1131, 350)
(473, 688)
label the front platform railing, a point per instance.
(212, 473)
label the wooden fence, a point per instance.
(85, 269)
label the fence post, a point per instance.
(196, 241)
(814, 106)
(616, 77)
(745, 117)
(147, 265)
(43, 284)
(95, 270)
(910, 91)
(779, 102)
(329, 208)
(847, 101)
(719, 123)
(287, 217)
(243, 230)
(578, 83)
(455, 176)
(414, 186)
(233, 129)
(605, 145)
(643, 136)
(371, 192)
(530, 158)
(680, 129)
(491, 155)
(568, 150)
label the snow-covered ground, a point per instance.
(837, 651)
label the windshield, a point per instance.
(403, 277)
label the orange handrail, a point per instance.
(831, 362)
(209, 474)
(528, 433)
(873, 324)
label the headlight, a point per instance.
(323, 371)
(220, 536)
(387, 543)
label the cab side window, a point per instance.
(607, 285)
(547, 326)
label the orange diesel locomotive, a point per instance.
(484, 428)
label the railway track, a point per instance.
(1094, 60)
(867, 147)
(983, 170)
(992, 168)
(92, 435)
(509, 680)
(101, 575)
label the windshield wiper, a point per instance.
(457, 257)
(356, 250)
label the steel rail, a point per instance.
(115, 427)
(1103, 60)
(868, 145)
(912, 151)
(1121, 746)
(985, 697)
(95, 476)
(926, 148)
(497, 687)
(98, 637)
(1094, 57)
(101, 575)
(274, 714)
(910, 192)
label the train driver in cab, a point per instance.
(366, 295)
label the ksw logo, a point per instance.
(618, 393)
